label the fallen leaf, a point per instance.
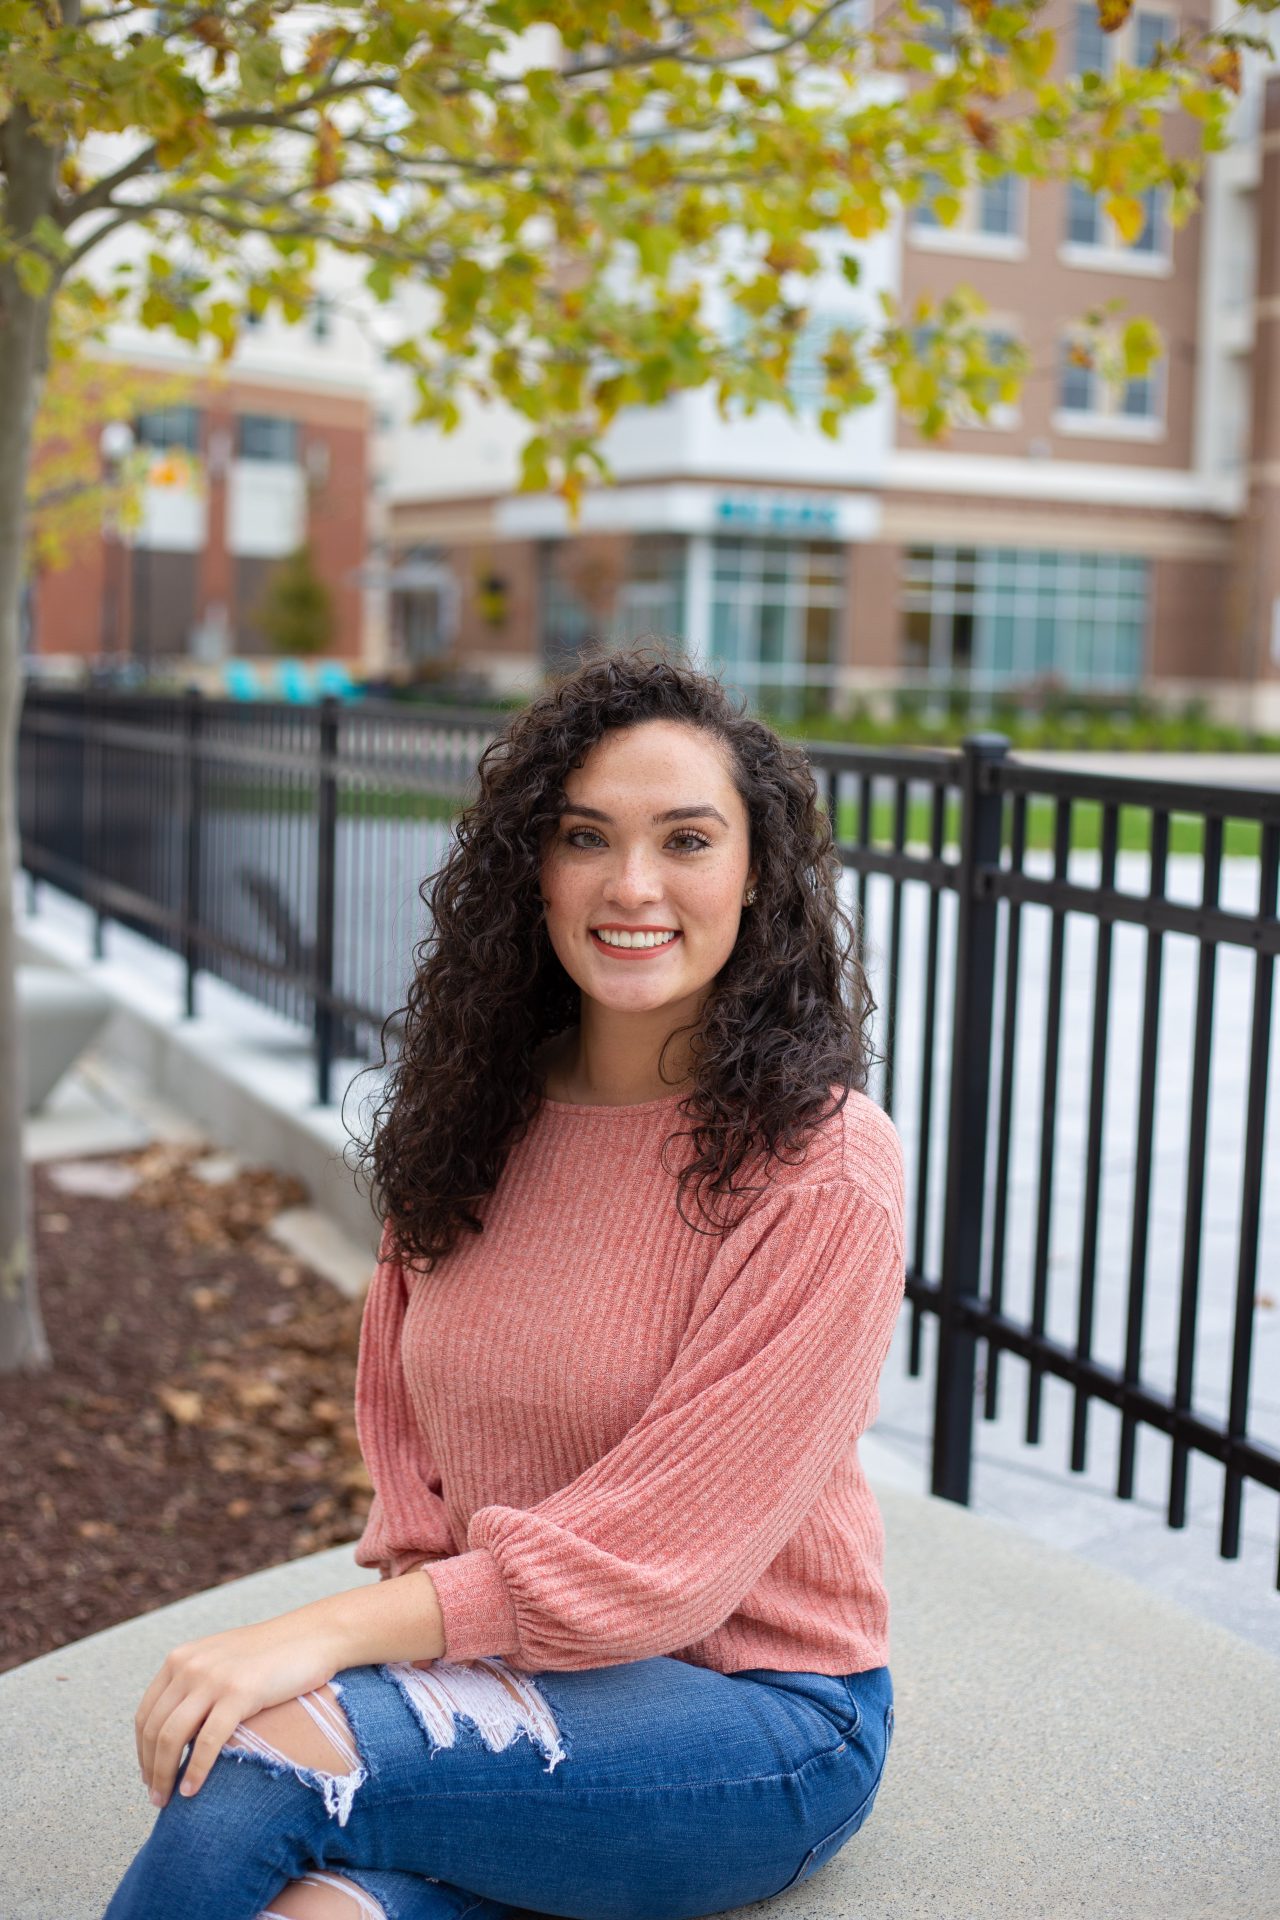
(256, 1393)
(181, 1404)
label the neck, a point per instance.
(611, 1059)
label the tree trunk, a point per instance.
(29, 176)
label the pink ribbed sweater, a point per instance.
(631, 1438)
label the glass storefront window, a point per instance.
(775, 622)
(990, 616)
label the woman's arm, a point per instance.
(407, 1521)
(207, 1687)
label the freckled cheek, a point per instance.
(710, 917)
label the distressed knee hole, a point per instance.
(501, 1703)
(307, 1737)
(323, 1896)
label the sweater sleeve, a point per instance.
(657, 1543)
(407, 1522)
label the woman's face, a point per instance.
(654, 839)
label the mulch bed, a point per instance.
(197, 1422)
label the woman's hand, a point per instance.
(207, 1687)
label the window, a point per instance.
(1134, 43)
(267, 436)
(1084, 215)
(941, 35)
(169, 427)
(1089, 403)
(997, 209)
(1002, 347)
(1138, 400)
(321, 317)
(1092, 52)
(1150, 31)
(992, 616)
(775, 613)
(990, 219)
(1076, 384)
(807, 377)
(1089, 225)
(648, 599)
(652, 597)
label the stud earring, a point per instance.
(750, 896)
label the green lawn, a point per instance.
(1241, 838)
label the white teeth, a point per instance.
(633, 939)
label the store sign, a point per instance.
(777, 513)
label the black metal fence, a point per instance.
(283, 849)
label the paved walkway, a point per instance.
(1206, 769)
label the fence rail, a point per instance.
(282, 849)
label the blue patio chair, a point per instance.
(241, 681)
(333, 678)
(294, 682)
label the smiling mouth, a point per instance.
(634, 943)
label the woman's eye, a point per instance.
(696, 841)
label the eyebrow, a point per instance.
(699, 812)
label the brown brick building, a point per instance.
(1109, 536)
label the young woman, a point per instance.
(641, 1260)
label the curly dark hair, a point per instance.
(785, 1021)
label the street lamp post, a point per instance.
(115, 444)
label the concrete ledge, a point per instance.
(244, 1074)
(60, 1014)
(1066, 1744)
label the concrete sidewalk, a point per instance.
(1065, 1744)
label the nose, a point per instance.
(634, 879)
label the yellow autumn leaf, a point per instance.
(1224, 69)
(1128, 214)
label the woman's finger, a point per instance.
(169, 1702)
(182, 1724)
(223, 1719)
(145, 1709)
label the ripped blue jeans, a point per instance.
(654, 1790)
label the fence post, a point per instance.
(980, 825)
(93, 827)
(192, 801)
(326, 890)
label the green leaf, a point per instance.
(381, 279)
(1141, 345)
(50, 236)
(35, 274)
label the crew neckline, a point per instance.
(598, 1106)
